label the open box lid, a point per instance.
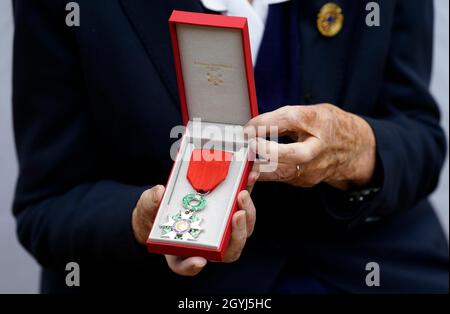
(214, 67)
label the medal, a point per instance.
(207, 169)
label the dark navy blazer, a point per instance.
(93, 108)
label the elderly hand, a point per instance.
(331, 146)
(243, 222)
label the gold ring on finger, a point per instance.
(299, 170)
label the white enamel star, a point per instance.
(182, 227)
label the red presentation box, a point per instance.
(216, 86)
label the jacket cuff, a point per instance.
(356, 207)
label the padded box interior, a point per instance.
(215, 83)
(220, 201)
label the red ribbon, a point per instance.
(208, 168)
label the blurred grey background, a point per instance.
(19, 273)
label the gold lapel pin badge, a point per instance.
(330, 20)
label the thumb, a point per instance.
(149, 202)
(145, 212)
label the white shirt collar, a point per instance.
(222, 5)
(256, 14)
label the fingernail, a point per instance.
(241, 221)
(159, 192)
(200, 264)
(242, 198)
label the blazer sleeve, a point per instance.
(410, 143)
(65, 206)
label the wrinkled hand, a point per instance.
(242, 225)
(331, 146)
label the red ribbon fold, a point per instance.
(208, 168)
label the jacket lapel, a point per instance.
(325, 60)
(150, 21)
